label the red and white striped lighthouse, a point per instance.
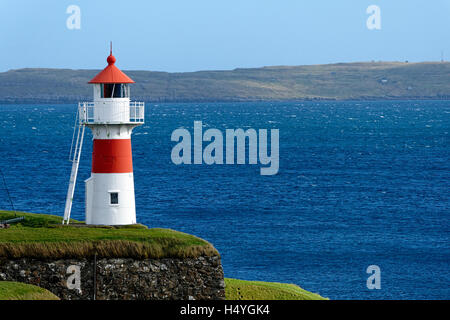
(109, 196)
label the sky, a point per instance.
(181, 35)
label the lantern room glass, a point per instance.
(115, 90)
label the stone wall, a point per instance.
(172, 278)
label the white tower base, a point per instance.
(101, 206)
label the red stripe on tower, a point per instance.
(112, 156)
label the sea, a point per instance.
(360, 184)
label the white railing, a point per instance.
(111, 113)
(137, 110)
(86, 112)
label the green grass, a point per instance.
(235, 290)
(21, 291)
(43, 236)
(258, 290)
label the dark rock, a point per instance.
(124, 279)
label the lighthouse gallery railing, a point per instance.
(89, 113)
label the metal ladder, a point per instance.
(74, 157)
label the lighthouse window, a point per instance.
(114, 198)
(125, 91)
(107, 90)
(115, 90)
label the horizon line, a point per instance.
(241, 68)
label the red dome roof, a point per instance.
(111, 74)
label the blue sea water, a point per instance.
(360, 183)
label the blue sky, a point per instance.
(181, 35)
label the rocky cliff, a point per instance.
(130, 279)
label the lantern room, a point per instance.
(112, 98)
(111, 82)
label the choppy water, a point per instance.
(360, 183)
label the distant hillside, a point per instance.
(376, 80)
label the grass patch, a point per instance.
(43, 236)
(257, 290)
(20, 291)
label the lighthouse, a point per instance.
(109, 191)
